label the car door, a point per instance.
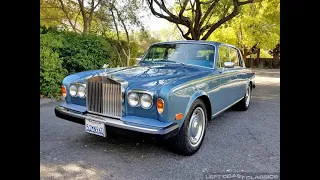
(242, 76)
(239, 84)
(228, 79)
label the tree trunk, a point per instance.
(251, 63)
(119, 56)
(276, 58)
(276, 55)
(128, 59)
(85, 27)
(245, 53)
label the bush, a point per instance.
(51, 71)
(63, 53)
(82, 53)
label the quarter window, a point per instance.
(234, 57)
(223, 56)
(229, 54)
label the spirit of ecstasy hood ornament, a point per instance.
(105, 66)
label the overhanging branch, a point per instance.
(235, 11)
(197, 23)
(245, 2)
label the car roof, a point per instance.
(195, 42)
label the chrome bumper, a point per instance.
(76, 117)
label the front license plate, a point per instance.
(96, 128)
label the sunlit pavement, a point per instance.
(235, 142)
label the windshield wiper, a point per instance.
(147, 62)
(163, 61)
(172, 62)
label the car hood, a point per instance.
(149, 77)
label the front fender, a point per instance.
(193, 98)
(181, 102)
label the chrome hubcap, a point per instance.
(248, 96)
(196, 126)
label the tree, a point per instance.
(71, 7)
(50, 13)
(276, 55)
(145, 39)
(124, 17)
(116, 15)
(256, 27)
(196, 15)
(170, 33)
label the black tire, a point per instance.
(242, 105)
(181, 141)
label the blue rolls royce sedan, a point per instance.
(172, 93)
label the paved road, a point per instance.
(235, 141)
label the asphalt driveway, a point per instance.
(235, 142)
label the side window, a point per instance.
(223, 56)
(234, 57)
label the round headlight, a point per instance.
(82, 91)
(146, 101)
(73, 90)
(133, 99)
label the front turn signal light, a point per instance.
(64, 91)
(160, 105)
(179, 116)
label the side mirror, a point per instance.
(228, 64)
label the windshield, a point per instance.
(196, 54)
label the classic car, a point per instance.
(172, 93)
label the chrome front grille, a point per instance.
(104, 97)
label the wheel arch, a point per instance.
(205, 99)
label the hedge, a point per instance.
(82, 53)
(63, 53)
(51, 70)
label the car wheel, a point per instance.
(190, 137)
(245, 102)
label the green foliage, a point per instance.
(265, 54)
(63, 53)
(135, 50)
(116, 61)
(49, 16)
(257, 23)
(82, 53)
(51, 71)
(145, 39)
